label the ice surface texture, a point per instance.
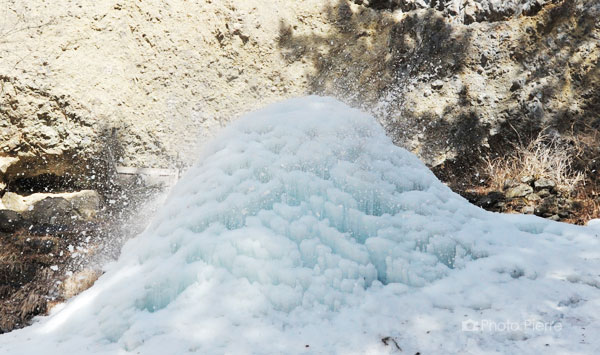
(302, 224)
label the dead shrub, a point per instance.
(546, 156)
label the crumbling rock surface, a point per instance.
(87, 88)
(453, 93)
(136, 84)
(80, 205)
(42, 133)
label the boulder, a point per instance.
(86, 203)
(544, 183)
(520, 190)
(53, 211)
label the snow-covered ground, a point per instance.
(303, 229)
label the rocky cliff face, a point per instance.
(445, 89)
(91, 91)
(144, 84)
(458, 94)
(137, 84)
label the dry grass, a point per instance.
(586, 154)
(544, 157)
(589, 205)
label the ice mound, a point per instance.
(310, 201)
(302, 224)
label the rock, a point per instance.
(520, 190)
(516, 85)
(533, 197)
(487, 201)
(438, 84)
(6, 162)
(15, 202)
(544, 183)
(565, 203)
(543, 193)
(527, 179)
(528, 210)
(547, 206)
(53, 211)
(65, 209)
(564, 214)
(10, 221)
(87, 203)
